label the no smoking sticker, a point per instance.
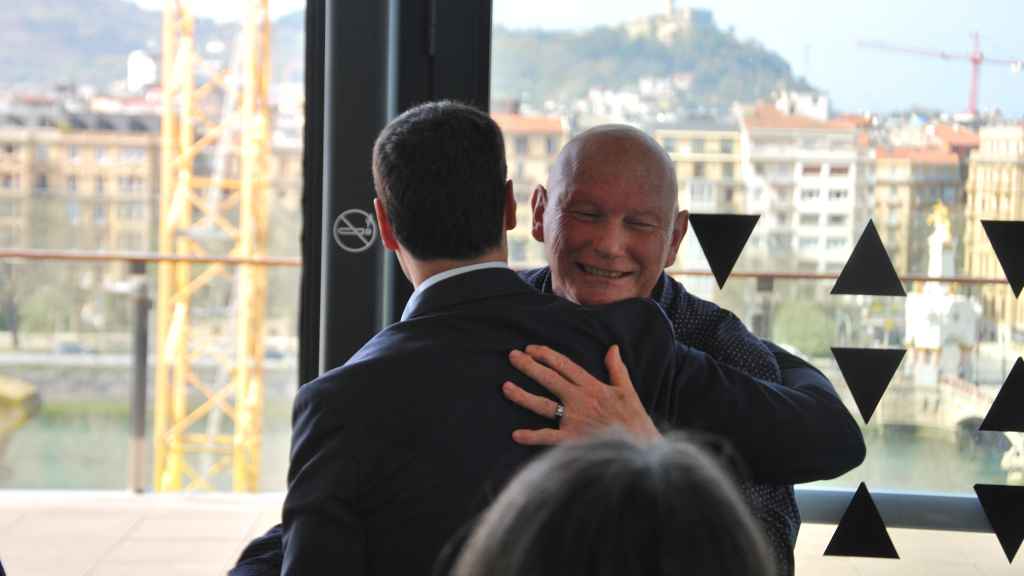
(355, 230)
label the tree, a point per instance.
(805, 325)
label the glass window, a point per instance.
(726, 146)
(74, 212)
(522, 145)
(8, 236)
(103, 120)
(956, 343)
(809, 219)
(697, 145)
(698, 169)
(837, 219)
(728, 171)
(9, 208)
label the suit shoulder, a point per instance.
(637, 317)
(337, 387)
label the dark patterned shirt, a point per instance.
(703, 325)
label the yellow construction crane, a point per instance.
(213, 204)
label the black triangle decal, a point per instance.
(861, 531)
(867, 372)
(1004, 507)
(869, 270)
(1007, 411)
(1006, 238)
(722, 237)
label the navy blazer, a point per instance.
(411, 438)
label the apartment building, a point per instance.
(995, 191)
(909, 183)
(79, 181)
(706, 154)
(811, 181)
(531, 145)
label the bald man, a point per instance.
(610, 223)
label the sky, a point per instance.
(819, 40)
(227, 10)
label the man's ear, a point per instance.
(510, 206)
(538, 203)
(678, 231)
(387, 234)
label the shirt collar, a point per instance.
(442, 276)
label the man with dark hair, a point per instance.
(412, 175)
(396, 450)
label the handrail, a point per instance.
(83, 256)
(295, 262)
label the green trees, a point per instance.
(536, 66)
(805, 325)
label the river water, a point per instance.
(82, 447)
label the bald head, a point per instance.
(609, 218)
(615, 147)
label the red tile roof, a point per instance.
(767, 116)
(917, 155)
(957, 136)
(519, 124)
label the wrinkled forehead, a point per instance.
(615, 163)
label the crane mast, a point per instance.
(210, 316)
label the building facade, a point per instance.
(995, 191)
(812, 183)
(909, 183)
(79, 181)
(706, 155)
(531, 145)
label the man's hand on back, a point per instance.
(590, 405)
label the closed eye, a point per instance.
(642, 225)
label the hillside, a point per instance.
(48, 42)
(536, 65)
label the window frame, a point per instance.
(402, 71)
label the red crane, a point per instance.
(975, 57)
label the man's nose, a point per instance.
(611, 240)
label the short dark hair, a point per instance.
(611, 506)
(439, 169)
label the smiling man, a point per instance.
(609, 220)
(610, 223)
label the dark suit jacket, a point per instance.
(411, 438)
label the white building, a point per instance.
(942, 327)
(141, 71)
(812, 183)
